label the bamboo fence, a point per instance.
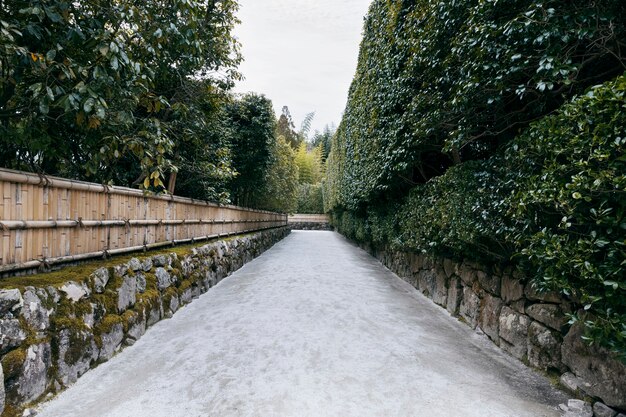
(46, 221)
(308, 218)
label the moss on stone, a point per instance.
(12, 363)
(80, 273)
(107, 324)
(129, 318)
(184, 285)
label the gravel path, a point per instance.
(314, 327)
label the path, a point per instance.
(314, 327)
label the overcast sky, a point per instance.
(301, 53)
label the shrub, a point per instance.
(570, 205)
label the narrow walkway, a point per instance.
(314, 327)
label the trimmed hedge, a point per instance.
(553, 202)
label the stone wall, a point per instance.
(529, 325)
(51, 335)
(310, 226)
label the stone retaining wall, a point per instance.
(528, 325)
(50, 336)
(310, 226)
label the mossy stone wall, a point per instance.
(53, 332)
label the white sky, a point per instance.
(301, 53)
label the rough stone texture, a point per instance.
(578, 408)
(489, 282)
(440, 294)
(155, 314)
(605, 375)
(571, 382)
(448, 267)
(186, 296)
(147, 265)
(467, 274)
(490, 317)
(33, 381)
(111, 341)
(543, 347)
(161, 260)
(426, 282)
(74, 291)
(310, 226)
(519, 306)
(455, 295)
(137, 329)
(77, 351)
(126, 294)
(470, 307)
(11, 334)
(164, 280)
(141, 283)
(100, 279)
(514, 330)
(10, 300)
(601, 410)
(512, 289)
(134, 264)
(174, 304)
(549, 297)
(549, 314)
(35, 314)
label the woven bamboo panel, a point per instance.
(48, 220)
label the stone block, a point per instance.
(147, 265)
(531, 292)
(467, 274)
(74, 291)
(511, 289)
(164, 280)
(489, 319)
(489, 282)
(513, 329)
(161, 260)
(605, 375)
(10, 301)
(11, 334)
(100, 278)
(34, 312)
(578, 408)
(127, 293)
(544, 347)
(32, 381)
(550, 315)
(440, 294)
(134, 265)
(470, 307)
(571, 382)
(426, 282)
(77, 351)
(449, 267)
(602, 410)
(111, 341)
(455, 295)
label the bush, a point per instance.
(570, 205)
(310, 199)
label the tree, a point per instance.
(252, 120)
(86, 86)
(281, 183)
(287, 129)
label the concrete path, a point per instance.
(314, 327)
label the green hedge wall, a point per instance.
(552, 201)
